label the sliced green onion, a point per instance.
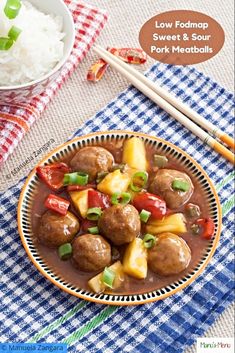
(5, 43)
(195, 228)
(121, 167)
(14, 33)
(93, 230)
(108, 277)
(101, 176)
(159, 161)
(122, 198)
(181, 185)
(94, 213)
(12, 8)
(192, 210)
(139, 175)
(78, 178)
(149, 241)
(65, 251)
(144, 216)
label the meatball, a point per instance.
(92, 160)
(162, 186)
(120, 224)
(170, 255)
(91, 252)
(55, 230)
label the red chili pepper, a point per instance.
(96, 199)
(80, 187)
(150, 203)
(208, 227)
(57, 204)
(97, 70)
(52, 175)
(130, 55)
(87, 224)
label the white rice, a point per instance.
(38, 48)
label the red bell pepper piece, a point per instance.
(151, 203)
(52, 175)
(97, 199)
(57, 204)
(208, 227)
(80, 187)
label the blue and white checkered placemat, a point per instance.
(33, 310)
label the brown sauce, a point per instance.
(67, 271)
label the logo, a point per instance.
(215, 345)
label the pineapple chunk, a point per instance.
(114, 182)
(134, 153)
(80, 201)
(130, 171)
(174, 223)
(135, 259)
(98, 286)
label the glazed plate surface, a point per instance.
(64, 151)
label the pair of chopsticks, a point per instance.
(172, 105)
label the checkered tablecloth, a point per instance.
(16, 120)
(33, 310)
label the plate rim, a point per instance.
(113, 302)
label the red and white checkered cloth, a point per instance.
(15, 121)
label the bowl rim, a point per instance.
(104, 301)
(57, 67)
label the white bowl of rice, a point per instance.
(36, 57)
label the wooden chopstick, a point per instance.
(150, 89)
(181, 106)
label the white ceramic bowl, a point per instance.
(25, 92)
